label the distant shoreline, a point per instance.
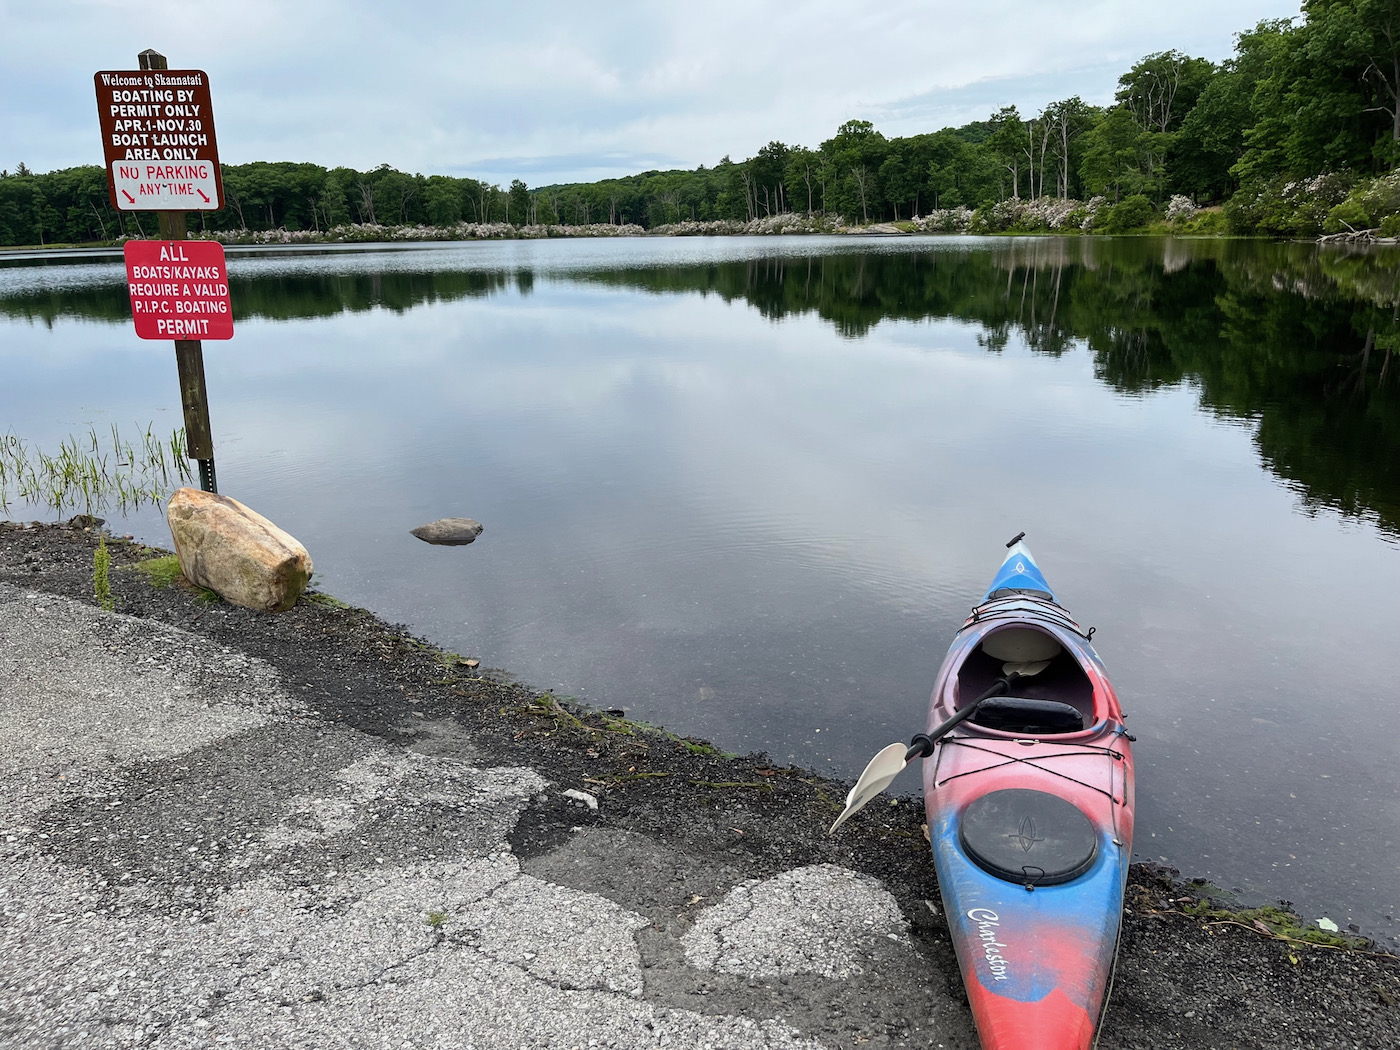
(787, 224)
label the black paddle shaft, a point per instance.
(921, 744)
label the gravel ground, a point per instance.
(312, 829)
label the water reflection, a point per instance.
(1298, 339)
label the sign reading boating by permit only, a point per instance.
(179, 289)
(158, 140)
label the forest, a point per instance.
(1296, 134)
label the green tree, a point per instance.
(1110, 161)
(856, 151)
(1157, 93)
(443, 201)
(1325, 101)
(1212, 135)
(519, 208)
(1007, 143)
(1365, 35)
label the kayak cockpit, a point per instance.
(1057, 699)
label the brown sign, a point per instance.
(158, 140)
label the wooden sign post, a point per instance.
(162, 156)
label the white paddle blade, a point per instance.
(882, 769)
(1024, 668)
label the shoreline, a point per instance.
(1187, 962)
(777, 226)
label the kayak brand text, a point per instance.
(988, 922)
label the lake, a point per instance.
(749, 488)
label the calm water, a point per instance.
(750, 488)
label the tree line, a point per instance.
(1282, 133)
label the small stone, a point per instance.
(449, 532)
(582, 796)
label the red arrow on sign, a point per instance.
(202, 194)
(128, 196)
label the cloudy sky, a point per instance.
(551, 91)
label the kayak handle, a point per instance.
(921, 744)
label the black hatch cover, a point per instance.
(1030, 837)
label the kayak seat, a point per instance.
(1018, 714)
(1063, 681)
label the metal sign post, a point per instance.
(162, 156)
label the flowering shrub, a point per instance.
(944, 220)
(1181, 209)
(1284, 207)
(1092, 207)
(1380, 197)
(1039, 213)
(462, 231)
(1373, 204)
(787, 222)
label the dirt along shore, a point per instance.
(313, 829)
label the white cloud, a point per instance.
(557, 91)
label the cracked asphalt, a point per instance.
(191, 859)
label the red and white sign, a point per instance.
(165, 185)
(179, 289)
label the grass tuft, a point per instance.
(161, 572)
(330, 601)
(101, 583)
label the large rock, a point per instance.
(448, 532)
(236, 552)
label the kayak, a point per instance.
(1030, 814)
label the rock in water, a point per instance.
(449, 532)
(236, 552)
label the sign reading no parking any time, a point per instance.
(158, 140)
(179, 289)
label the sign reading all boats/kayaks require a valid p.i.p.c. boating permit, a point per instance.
(179, 289)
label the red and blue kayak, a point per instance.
(1030, 814)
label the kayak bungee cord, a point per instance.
(1035, 760)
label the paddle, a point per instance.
(890, 762)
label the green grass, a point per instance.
(101, 582)
(435, 918)
(1275, 921)
(160, 572)
(700, 747)
(165, 572)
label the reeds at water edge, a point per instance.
(89, 474)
